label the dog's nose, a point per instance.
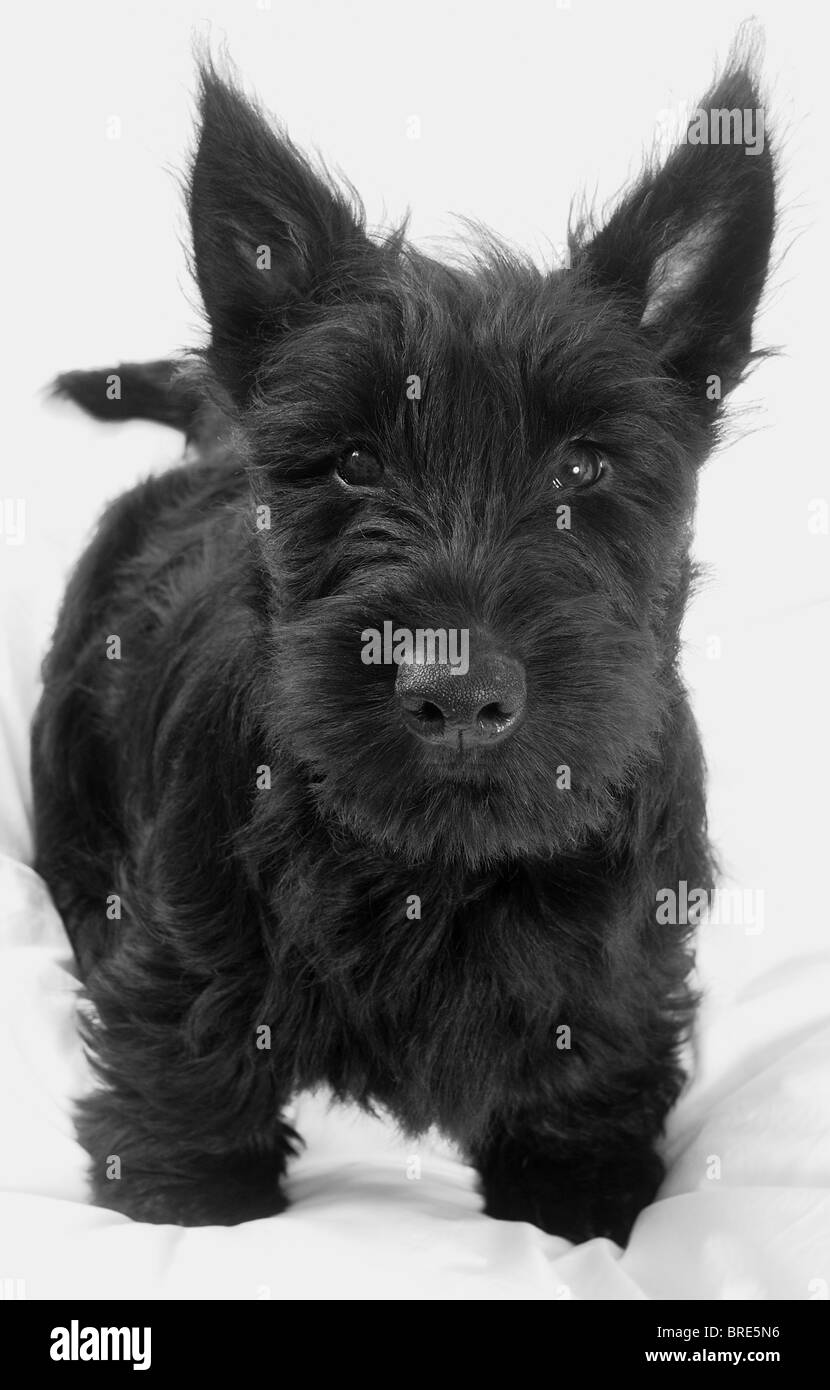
(480, 707)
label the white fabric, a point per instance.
(745, 1211)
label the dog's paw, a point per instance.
(574, 1203)
(217, 1200)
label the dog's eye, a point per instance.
(582, 465)
(358, 468)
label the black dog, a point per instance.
(283, 864)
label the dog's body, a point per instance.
(281, 866)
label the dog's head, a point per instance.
(475, 482)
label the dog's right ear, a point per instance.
(268, 230)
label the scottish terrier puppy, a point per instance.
(363, 753)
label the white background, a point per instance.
(522, 105)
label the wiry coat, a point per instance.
(244, 784)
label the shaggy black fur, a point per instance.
(290, 905)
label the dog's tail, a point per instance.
(158, 391)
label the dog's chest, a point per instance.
(436, 1010)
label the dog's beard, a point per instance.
(477, 826)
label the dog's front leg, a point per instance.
(185, 1140)
(184, 1179)
(569, 1186)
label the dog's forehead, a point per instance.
(511, 327)
(499, 350)
(489, 305)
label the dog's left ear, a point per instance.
(268, 230)
(689, 248)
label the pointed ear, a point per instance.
(267, 229)
(689, 248)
